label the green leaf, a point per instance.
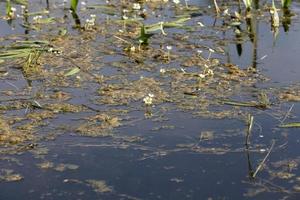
(143, 38)
(73, 71)
(290, 125)
(8, 8)
(21, 2)
(248, 4)
(286, 3)
(74, 4)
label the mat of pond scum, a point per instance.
(75, 124)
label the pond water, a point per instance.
(88, 112)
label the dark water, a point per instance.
(169, 161)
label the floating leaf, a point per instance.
(45, 20)
(173, 24)
(99, 186)
(73, 71)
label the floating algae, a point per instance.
(99, 186)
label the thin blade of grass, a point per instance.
(73, 71)
(264, 160)
(240, 103)
(259, 105)
(290, 125)
(74, 4)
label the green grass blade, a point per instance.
(73, 71)
(74, 4)
(290, 125)
(8, 8)
(286, 3)
(239, 103)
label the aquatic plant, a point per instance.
(286, 3)
(74, 4)
(248, 4)
(148, 99)
(274, 18)
(143, 38)
(31, 63)
(10, 11)
(90, 23)
(290, 125)
(250, 119)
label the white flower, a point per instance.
(136, 6)
(13, 9)
(169, 48)
(83, 3)
(147, 100)
(202, 75)
(176, 1)
(132, 48)
(226, 12)
(37, 18)
(151, 95)
(210, 72)
(90, 22)
(162, 71)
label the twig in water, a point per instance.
(264, 160)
